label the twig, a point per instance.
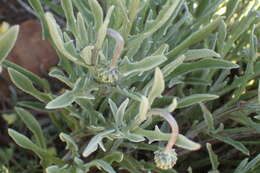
(26, 7)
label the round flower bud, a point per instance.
(164, 159)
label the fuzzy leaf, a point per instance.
(61, 101)
(57, 38)
(102, 31)
(158, 86)
(113, 157)
(86, 54)
(120, 114)
(196, 54)
(25, 142)
(33, 125)
(195, 98)
(145, 64)
(195, 37)
(7, 41)
(238, 145)
(157, 135)
(169, 68)
(213, 157)
(70, 143)
(134, 137)
(58, 74)
(69, 13)
(104, 165)
(206, 63)
(25, 84)
(207, 117)
(95, 142)
(143, 109)
(173, 105)
(56, 169)
(97, 12)
(163, 16)
(113, 107)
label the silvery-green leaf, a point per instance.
(113, 157)
(82, 38)
(33, 125)
(61, 101)
(195, 37)
(158, 86)
(206, 63)
(113, 107)
(104, 165)
(26, 85)
(70, 143)
(7, 41)
(173, 105)
(134, 137)
(95, 142)
(222, 33)
(161, 50)
(169, 68)
(207, 117)
(97, 12)
(145, 64)
(86, 54)
(120, 113)
(57, 73)
(157, 135)
(102, 31)
(69, 13)
(56, 169)
(236, 144)
(143, 109)
(194, 99)
(163, 16)
(25, 142)
(213, 157)
(56, 36)
(195, 54)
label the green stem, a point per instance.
(118, 47)
(172, 122)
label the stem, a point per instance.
(172, 122)
(118, 47)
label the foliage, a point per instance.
(123, 61)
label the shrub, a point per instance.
(124, 61)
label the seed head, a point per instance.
(165, 159)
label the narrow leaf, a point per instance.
(94, 142)
(195, 37)
(238, 145)
(33, 125)
(7, 41)
(207, 117)
(97, 12)
(158, 86)
(196, 54)
(207, 63)
(61, 101)
(194, 99)
(213, 157)
(145, 64)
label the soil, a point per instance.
(13, 12)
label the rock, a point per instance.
(31, 52)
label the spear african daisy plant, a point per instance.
(126, 70)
